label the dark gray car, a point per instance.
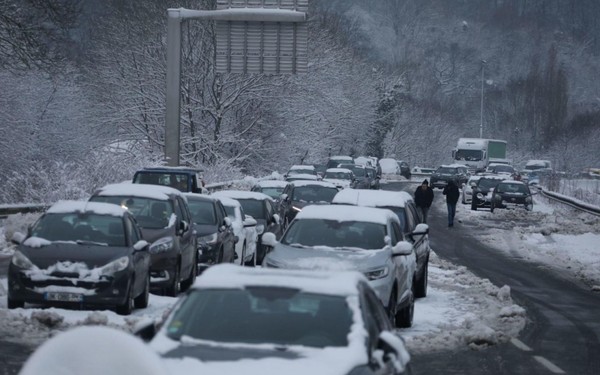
(81, 254)
(163, 215)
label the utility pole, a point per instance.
(483, 62)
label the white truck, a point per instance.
(477, 153)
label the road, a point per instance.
(563, 335)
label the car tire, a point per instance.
(141, 301)
(242, 260)
(175, 287)
(127, 307)
(404, 317)
(393, 308)
(14, 304)
(187, 283)
(421, 284)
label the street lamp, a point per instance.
(483, 62)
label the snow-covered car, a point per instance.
(423, 170)
(466, 195)
(403, 205)
(164, 217)
(302, 176)
(262, 208)
(364, 239)
(457, 172)
(482, 188)
(334, 161)
(81, 254)
(511, 194)
(273, 188)
(501, 169)
(215, 236)
(264, 321)
(299, 194)
(341, 177)
(301, 169)
(389, 166)
(245, 229)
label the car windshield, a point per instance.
(358, 171)
(230, 211)
(314, 194)
(512, 188)
(503, 168)
(253, 207)
(338, 175)
(487, 183)
(446, 170)
(203, 212)
(333, 233)
(178, 181)
(469, 155)
(263, 315)
(87, 228)
(301, 171)
(273, 192)
(149, 213)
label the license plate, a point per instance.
(63, 297)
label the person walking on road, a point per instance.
(423, 199)
(451, 192)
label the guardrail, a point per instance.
(11, 209)
(570, 201)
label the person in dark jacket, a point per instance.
(451, 192)
(423, 199)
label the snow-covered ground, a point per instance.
(460, 309)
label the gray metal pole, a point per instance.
(173, 87)
(483, 62)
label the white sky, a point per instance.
(460, 308)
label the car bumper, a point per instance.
(383, 288)
(110, 291)
(162, 268)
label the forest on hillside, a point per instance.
(83, 96)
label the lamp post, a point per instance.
(483, 62)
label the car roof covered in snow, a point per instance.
(272, 183)
(302, 166)
(301, 183)
(63, 207)
(344, 213)
(229, 202)
(199, 197)
(241, 194)
(157, 192)
(338, 170)
(230, 276)
(372, 198)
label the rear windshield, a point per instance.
(149, 213)
(179, 181)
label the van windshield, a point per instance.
(469, 155)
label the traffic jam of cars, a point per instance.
(318, 263)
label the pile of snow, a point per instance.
(14, 223)
(461, 310)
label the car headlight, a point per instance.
(115, 266)
(528, 199)
(298, 209)
(379, 273)
(20, 260)
(480, 196)
(210, 239)
(161, 245)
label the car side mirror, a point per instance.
(260, 229)
(236, 239)
(183, 226)
(141, 245)
(402, 248)
(277, 219)
(391, 349)
(269, 239)
(387, 240)
(145, 330)
(249, 222)
(421, 230)
(283, 197)
(227, 222)
(18, 238)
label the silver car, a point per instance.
(369, 240)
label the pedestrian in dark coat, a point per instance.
(452, 193)
(423, 199)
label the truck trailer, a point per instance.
(477, 153)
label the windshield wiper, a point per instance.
(82, 242)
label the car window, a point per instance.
(149, 213)
(102, 230)
(411, 217)
(203, 212)
(276, 315)
(132, 231)
(397, 233)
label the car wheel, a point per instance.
(529, 207)
(243, 260)
(192, 278)
(141, 301)
(404, 317)
(393, 308)
(421, 284)
(14, 304)
(175, 287)
(127, 307)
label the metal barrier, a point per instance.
(11, 209)
(569, 201)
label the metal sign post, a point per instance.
(253, 36)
